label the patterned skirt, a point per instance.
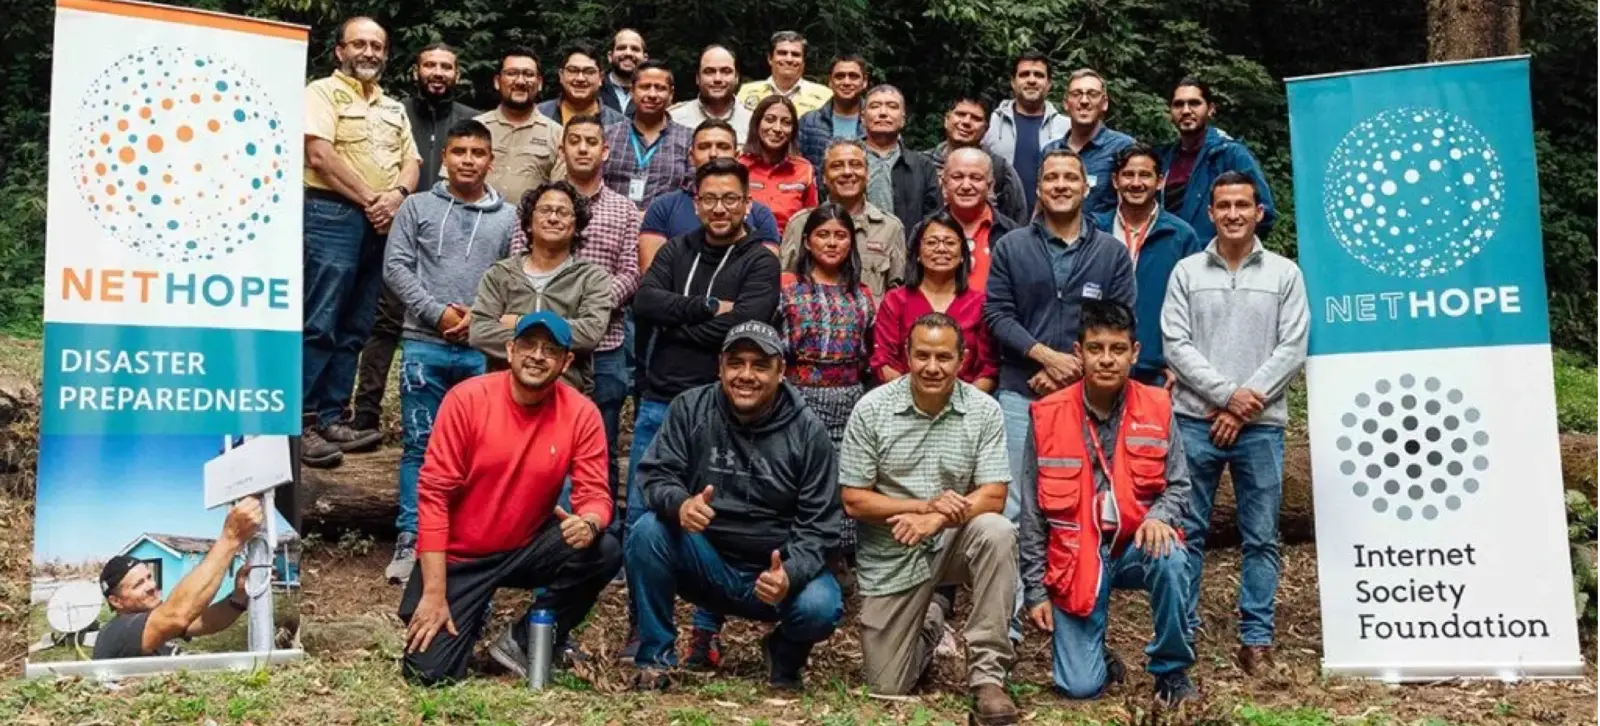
(833, 405)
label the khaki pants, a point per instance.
(899, 632)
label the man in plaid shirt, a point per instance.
(649, 154)
(611, 241)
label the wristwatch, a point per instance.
(711, 305)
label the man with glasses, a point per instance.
(674, 214)
(717, 78)
(580, 90)
(788, 63)
(360, 163)
(525, 142)
(1097, 144)
(652, 153)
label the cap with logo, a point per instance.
(755, 332)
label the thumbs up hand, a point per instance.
(772, 585)
(579, 532)
(695, 514)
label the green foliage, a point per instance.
(1581, 540)
(1576, 396)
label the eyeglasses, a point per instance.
(515, 73)
(1087, 95)
(360, 45)
(541, 349)
(581, 72)
(546, 210)
(727, 200)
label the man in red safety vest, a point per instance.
(1104, 489)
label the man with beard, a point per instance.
(361, 163)
(433, 112)
(442, 243)
(502, 446)
(675, 214)
(580, 90)
(1201, 154)
(652, 152)
(627, 52)
(841, 117)
(966, 184)
(743, 507)
(964, 126)
(788, 63)
(898, 179)
(525, 141)
(880, 238)
(716, 79)
(1156, 241)
(1024, 124)
(1097, 144)
(930, 521)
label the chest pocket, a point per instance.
(352, 126)
(1147, 463)
(533, 157)
(387, 128)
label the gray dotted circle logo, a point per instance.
(1412, 447)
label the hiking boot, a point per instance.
(992, 707)
(786, 662)
(1174, 688)
(630, 651)
(317, 452)
(405, 559)
(351, 440)
(1255, 660)
(1116, 672)
(651, 679)
(364, 421)
(508, 653)
(705, 651)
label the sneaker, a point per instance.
(705, 651)
(505, 651)
(651, 679)
(1174, 688)
(317, 453)
(405, 559)
(629, 652)
(1116, 672)
(785, 663)
(350, 440)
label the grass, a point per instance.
(1576, 396)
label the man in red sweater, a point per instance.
(502, 445)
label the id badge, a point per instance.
(636, 190)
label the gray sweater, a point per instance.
(1225, 329)
(439, 248)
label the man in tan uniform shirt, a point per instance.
(880, 236)
(361, 162)
(525, 142)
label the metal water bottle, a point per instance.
(541, 643)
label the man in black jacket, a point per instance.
(964, 126)
(898, 177)
(743, 490)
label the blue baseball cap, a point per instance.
(558, 328)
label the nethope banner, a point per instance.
(172, 335)
(1441, 538)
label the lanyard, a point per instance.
(1094, 441)
(640, 157)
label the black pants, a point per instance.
(377, 357)
(572, 580)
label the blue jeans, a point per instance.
(1014, 408)
(1078, 645)
(1256, 460)
(343, 275)
(647, 419)
(427, 371)
(662, 562)
(612, 382)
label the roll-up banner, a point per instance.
(172, 340)
(1441, 533)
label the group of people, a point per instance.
(1018, 362)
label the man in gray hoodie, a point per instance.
(440, 245)
(1234, 324)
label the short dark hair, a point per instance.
(580, 210)
(1138, 148)
(1235, 178)
(518, 52)
(848, 58)
(656, 64)
(1197, 84)
(1105, 315)
(587, 119)
(1059, 152)
(933, 321)
(715, 124)
(431, 47)
(1031, 56)
(581, 47)
(914, 270)
(467, 129)
(752, 142)
(787, 36)
(974, 99)
(850, 269)
(722, 167)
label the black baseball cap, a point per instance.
(114, 570)
(764, 336)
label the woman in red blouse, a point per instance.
(936, 282)
(779, 176)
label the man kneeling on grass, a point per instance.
(502, 445)
(1104, 489)
(743, 500)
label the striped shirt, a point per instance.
(666, 166)
(896, 450)
(611, 241)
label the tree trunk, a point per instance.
(1463, 29)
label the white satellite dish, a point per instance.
(74, 606)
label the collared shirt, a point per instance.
(880, 238)
(692, 113)
(371, 134)
(1099, 158)
(806, 95)
(611, 241)
(1133, 237)
(978, 242)
(786, 187)
(665, 167)
(673, 215)
(525, 153)
(880, 176)
(896, 450)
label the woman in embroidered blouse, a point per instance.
(780, 177)
(936, 282)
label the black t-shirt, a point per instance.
(123, 637)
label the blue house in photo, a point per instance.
(171, 557)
